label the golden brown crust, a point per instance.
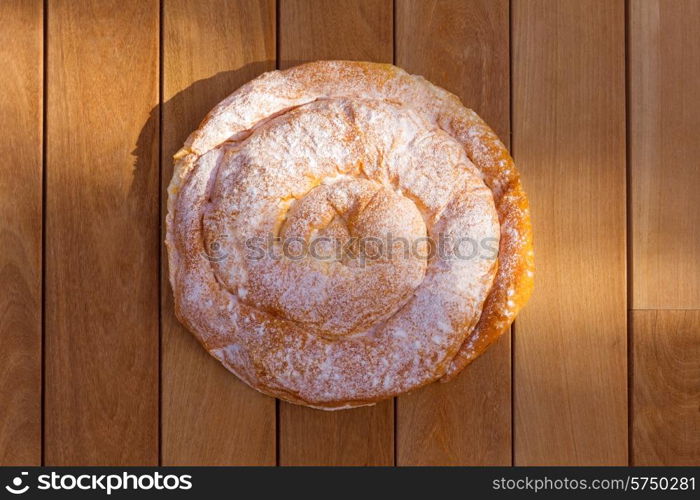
(365, 101)
(515, 278)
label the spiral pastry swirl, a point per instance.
(316, 229)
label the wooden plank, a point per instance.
(462, 46)
(570, 383)
(358, 30)
(362, 436)
(666, 388)
(664, 69)
(210, 49)
(336, 29)
(21, 89)
(101, 233)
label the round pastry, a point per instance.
(342, 232)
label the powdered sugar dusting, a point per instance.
(352, 150)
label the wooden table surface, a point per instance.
(599, 101)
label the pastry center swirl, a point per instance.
(345, 256)
(353, 264)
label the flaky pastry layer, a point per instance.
(334, 150)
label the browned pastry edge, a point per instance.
(515, 277)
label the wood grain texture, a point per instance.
(362, 436)
(21, 89)
(462, 46)
(664, 69)
(209, 417)
(570, 377)
(102, 233)
(666, 388)
(328, 29)
(358, 30)
(664, 116)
